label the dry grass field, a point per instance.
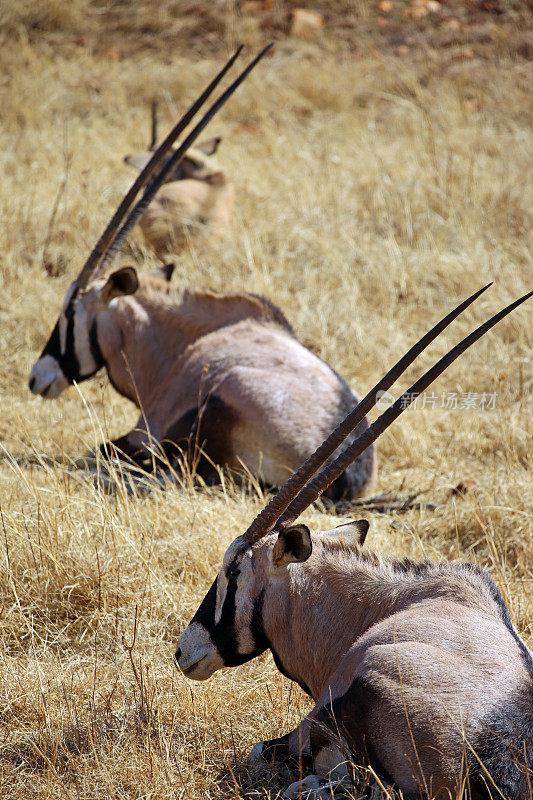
(374, 190)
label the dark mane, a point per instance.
(273, 312)
(407, 567)
(260, 306)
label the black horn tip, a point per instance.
(289, 503)
(516, 303)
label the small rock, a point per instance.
(416, 9)
(113, 54)
(306, 24)
(253, 7)
(453, 24)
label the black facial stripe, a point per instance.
(53, 345)
(225, 629)
(69, 360)
(224, 633)
(263, 643)
(205, 615)
(279, 664)
(96, 353)
(256, 625)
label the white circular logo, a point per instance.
(384, 400)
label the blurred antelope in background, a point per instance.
(195, 197)
(223, 372)
(416, 669)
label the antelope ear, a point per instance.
(138, 160)
(293, 546)
(123, 281)
(165, 272)
(209, 147)
(351, 532)
(216, 178)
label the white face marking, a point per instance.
(222, 586)
(47, 379)
(234, 550)
(82, 347)
(198, 655)
(63, 324)
(199, 658)
(244, 600)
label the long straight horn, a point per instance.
(266, 520)
(153, 143)
(141, 206)
(100, 248)
(314, 488)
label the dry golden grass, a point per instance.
(371, 196)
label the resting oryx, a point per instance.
(223, 372)
(196, 196)
(415, 668)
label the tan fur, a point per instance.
(182, 346)
(183, 209)
(202, 199)
(425, 645)
(173, 352)
(356, 592)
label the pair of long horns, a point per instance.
(116, 231)
(302, 488)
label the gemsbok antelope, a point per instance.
(224, 372)
(195, 197)
(416, 669)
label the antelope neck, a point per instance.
(313, 624)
